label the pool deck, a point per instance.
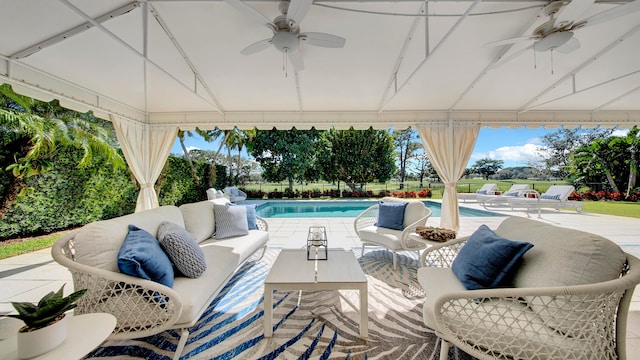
(28, 277)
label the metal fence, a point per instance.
(437, 188)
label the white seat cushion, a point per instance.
(196, 293)
(222, 258)
(388, 238)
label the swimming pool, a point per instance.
(340, 209)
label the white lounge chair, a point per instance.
(516, 190)
(234, 194)
(484, 190)
(214, 194)
(556, 197)
(415, 214)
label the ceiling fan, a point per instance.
(557, 33)
(286, 30)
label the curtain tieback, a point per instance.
(145, 186)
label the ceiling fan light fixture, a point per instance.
(553, 41)
(285, 40)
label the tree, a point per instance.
(403, 141)
(596, 160)
(517, 172)
(633, 141)
(558, 146)
(33, 132)
(613, 159)
(422, 166)
(487, 167)
(187, 155)
(285, 154)
(357, 157)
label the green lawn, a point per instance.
(618, 208)
(13, 247)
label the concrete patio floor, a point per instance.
(28, 277)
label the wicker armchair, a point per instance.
(586, 321)
(416, 214)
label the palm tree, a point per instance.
(32, 133)
(181, 136)
(633, 142)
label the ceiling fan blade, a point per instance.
(296, 60)
(572, 12)
(298, 9)
(511, 40)
(322, 39)
(255, 47)
(614, 13)
(249, 11)
(570, 46)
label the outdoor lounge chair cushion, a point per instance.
(230, 221)
(182, 249)
(198, 219)
(141, 256)
(561, 257)
(98, 243)
(486, 259)
(388, 238)
(391, 215)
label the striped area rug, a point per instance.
(309, 325)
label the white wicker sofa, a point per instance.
(143, 307)
(567, 299)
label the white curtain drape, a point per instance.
(146, 148)
(449, 148)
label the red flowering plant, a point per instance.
(424, 193)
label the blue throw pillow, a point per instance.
(550, 196)
(252, 222)
(391, 215)
(486, 259)
(140, 255)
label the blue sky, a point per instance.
(513, 146)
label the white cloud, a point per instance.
(519, 155)
(189, 148)
(620, 132)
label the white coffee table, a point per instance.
(84, 333)
(292, 271)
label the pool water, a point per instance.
(340, 209)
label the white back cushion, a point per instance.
(97, 244)
(199, 219)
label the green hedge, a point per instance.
(68, 196)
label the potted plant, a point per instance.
(45, 323)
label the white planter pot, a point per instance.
(38, 342)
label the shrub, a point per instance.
(425, 193)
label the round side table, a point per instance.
(84, 333)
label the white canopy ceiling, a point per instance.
(179, 62)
